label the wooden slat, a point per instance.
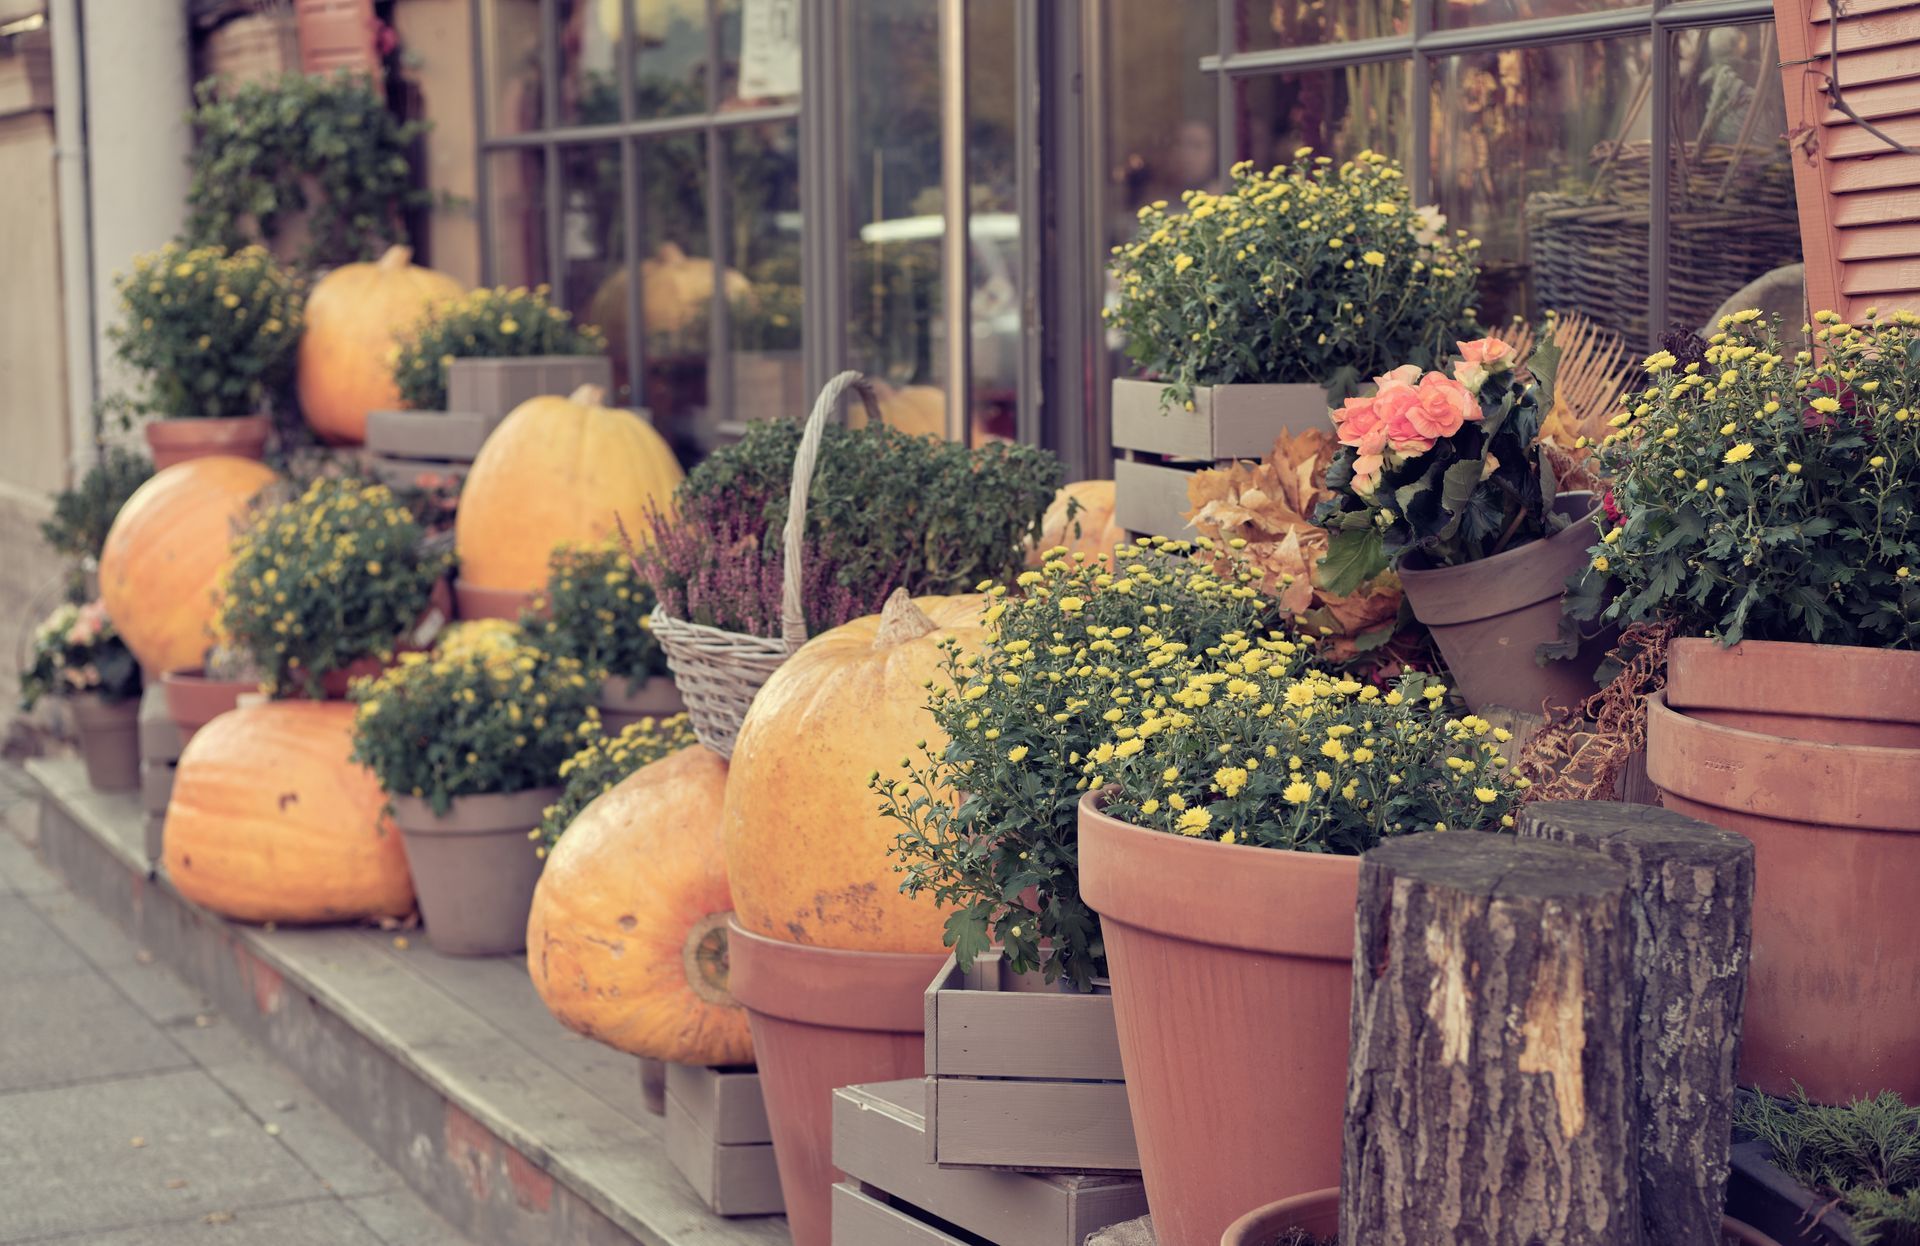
(1875, 173)
(1871, 30)
(1879, 242)
(1823, 9)
(1877, 207)
(1880, 277)
(862, 1220)
(1846, 142)
(1861, 69)
(1881, 99)
(1011, 1034)
(1077, 1125)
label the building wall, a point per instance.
(436, 38)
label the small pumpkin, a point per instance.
(1092, 530)
(920, 410)
(354, 319)
(676, 290)
(270, 822)
(627, 941)
(557, 471)
(166, 552)
(807, 848)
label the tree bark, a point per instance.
(1490, 1098)
(1690, 891)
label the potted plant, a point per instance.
(483, 355)
(468, 742)
(595, 610)
(1766, 514)
(197, 696)
(1832, 1174)
(1440, 478)
(328, 585)
(214, 333)
(1249, 307)
(83, 514)
(78, 657)
(1220, 842)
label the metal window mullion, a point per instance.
(824, 193)
(482, 178)
(1224, 87)
(956, 242)
(1661, 108)
(1029, 412)
(630, 212)
(642, 127)
(550, 106)
(1420, 88)
(719, 312)
(1095, 435)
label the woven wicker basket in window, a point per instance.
(717, 671)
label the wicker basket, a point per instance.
(717, 671)
(1733, 219)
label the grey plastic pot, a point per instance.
(109, 741)
(622, 705)
(474, 868)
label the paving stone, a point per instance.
(316, 1137)
(72, 1148)
(86, 928)
(320, 1223)
(57, 1031)
(30, 948)
(20, 871)
(397, 1218)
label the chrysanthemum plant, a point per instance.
(604, 761)
(1767, 495)
(1446, 466)
(1312, 272)
(334, 575)
(594, 609)
(76, 651)
(500, 323)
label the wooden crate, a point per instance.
(1150, 499)
(718, 1139)
(1024, 1075)
(405, 446)
(892, 1196)
(492, 388)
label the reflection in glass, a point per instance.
(589, 44)
(1452, 13)
(1161, 132)
(759, 52)
(670, 65)
(1263, 24)
(763, 245)
(993, 91)
(592, 237)
(517, 215)
(510, 44)
(1542, 154)
(1337, 112)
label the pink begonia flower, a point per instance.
(1366, 474)
(1441, 406)
(87, 627)
(1406, 376)
(1479, 360)
(1395, 407)
(1357, 424)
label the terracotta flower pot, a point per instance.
(622, 706)
(824, 1018)
(1831, 998)
(474, 869)
(176, 441)
(1318, 1214)
(1832, 694)
(109, 740)
(1489, 617)
(474, 602)
(1232, 983)
(193, 700)
(335, 685)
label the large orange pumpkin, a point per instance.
(627, 941)
(557, 471)
(1091, 531)
(166, 551)
(270, 822)
(355, 317)
(807, 848)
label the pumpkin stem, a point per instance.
(394, 258)
(704, 959)
(589, 396)
(901, 621)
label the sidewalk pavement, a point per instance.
(130, 1115)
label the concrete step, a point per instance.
(513, 1128)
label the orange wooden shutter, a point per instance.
(1859, 198)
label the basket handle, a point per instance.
(793, 614)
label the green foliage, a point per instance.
(484, 713)
(1019, 718)
(83, 514)
(594, 610)
(605, 761)
(334, 575)
(324, 146)
(1765, 496)
(1308, 273)
(77, 650)
(213, 331)
(1866, 1154)
(500, 323)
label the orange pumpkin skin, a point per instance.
(557, 471)
(270, 822)
(626, 940)
(1092, 531)
(807, 849)
(355, 317)
(170, 544)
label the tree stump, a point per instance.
(1490, 1097)
(1690, 891)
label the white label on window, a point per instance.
(770, 49)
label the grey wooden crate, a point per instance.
(406, 473)
(492, 388)
(879, 1143)
(725, 1102)
(1150, 499)
(159, 735)
(1227, 421)
(733, 1178)
(866, 1217)
(1023, 1075)
(453, 436)
(155, 825)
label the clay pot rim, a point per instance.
(168, 424)
(653, 695)
(195, 679)
(1262, 1225)
(1849, 795)
(838, 988)
(479, 601)
(482, 813)
(1857, 682)
(1510, 580)
(1257, 899)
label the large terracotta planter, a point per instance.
(1232, 983)
(193, 700)
(621, 705)
(1833, 996)
(176, 441)
(1318, 1215)
(474, 868)
(824, 1018)
(1489, 617)
(109, 740)
(1833, 694)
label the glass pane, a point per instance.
(763, 244)
(759, 52)
(993, 94)
(1262, 24)
(1731, 216)
(589, 64)
(1337, 112)
(510, 37)
(1162, 129)
(592, 238)
(517, 216)
(1447, 13)
(670, 58)
(1534, 153)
